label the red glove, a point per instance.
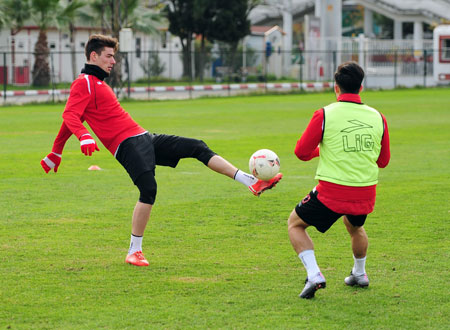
(52, 160)
(88, 144)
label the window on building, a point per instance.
(444, 49)
(138, 47)
(427, 31)
(164, 39)
(408, 30)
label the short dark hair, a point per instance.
(98, 42)
(349, 77)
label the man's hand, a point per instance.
(88, 145)
(51, 161)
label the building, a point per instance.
(291, 26)
(18, 52)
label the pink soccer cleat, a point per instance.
(260, 186)
(137, 259)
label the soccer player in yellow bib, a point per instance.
(351, 140)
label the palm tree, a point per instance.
(3, 16)
(69, 15)
(13, 14)
(45, 14)
(115, 15)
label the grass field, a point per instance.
(220, 257)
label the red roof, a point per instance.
(262, 30)
(258, 29)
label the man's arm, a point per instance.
(307, 146)
(60, 141)
(53, 159)
(72, 122)
(80, 96)
(385, 152)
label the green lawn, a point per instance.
(220, 257)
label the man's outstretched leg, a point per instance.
(171, 148)
(304, 247)
(360, 242)
(257, 187)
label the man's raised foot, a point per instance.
(260, 186)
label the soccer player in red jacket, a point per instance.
(92, 101)
(351, 140)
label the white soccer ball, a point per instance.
(264, 164)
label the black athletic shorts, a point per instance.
(315, 213)
(140, 154)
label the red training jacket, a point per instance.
(93, 101)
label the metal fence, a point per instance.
(147, 73)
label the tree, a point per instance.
(202, 62)
(45, 14)
(69, 16)
(153, 67)
(204, 16)
(95, 12)
(231, 24)
(180, 14)
(14, 13)
(117, 14)
(3, 16)
(210, 20)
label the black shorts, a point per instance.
(315, 213)
(140, 154)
